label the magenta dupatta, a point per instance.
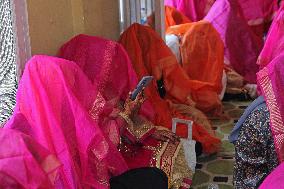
(274, 44)
(23, 162)
(55, 97)
(241, 45)
(195, 10)
(107, 63)
(271, 83)
(275, 179)
(258, 11)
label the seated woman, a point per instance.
(240, 53)
(172, 95)
(68, 116)
(195, 10)
(105, 61)
(258, 135)
(202, 53)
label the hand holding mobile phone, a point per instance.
(144, 82)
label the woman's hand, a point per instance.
(133, 106)
(165, 135)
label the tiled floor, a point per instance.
(218, 168)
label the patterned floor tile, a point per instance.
(220, 166)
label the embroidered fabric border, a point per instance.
(165, 157)
(276, 122)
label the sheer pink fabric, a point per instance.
(271, 83)
(23, 162)
(195, 10)
(274, 44)
(241, 45)
(105, 62)
(275, 179)
(56, 98)
(258, 11)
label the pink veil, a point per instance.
(107, 63)
(55, 98)
(241, 45)
(195, 10)
(274, 44)
(258, 11)
(274, 179)
(271, 83)
(23, 162)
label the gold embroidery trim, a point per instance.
(164, 158)
(276, 122)
(138, 131)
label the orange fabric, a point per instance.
(172, 17)
(150, 56)
(202, 52)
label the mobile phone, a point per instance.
(144, 82)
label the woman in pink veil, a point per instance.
(58, 142)
(54, 97)
(141, 143)
(241, 53)
(259, 134)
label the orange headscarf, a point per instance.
(202, 52)
(172, 17)
(150, 56)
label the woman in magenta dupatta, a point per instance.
(260, 141)
(241, 45)
(195, 10)
(106, 64)
(259, 138)
(54, 99)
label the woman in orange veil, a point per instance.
(172, 17)
(150, 56)
(202, 52)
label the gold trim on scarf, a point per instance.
(276, 122)
(97, 107)
(164, 157)
(137, 131)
